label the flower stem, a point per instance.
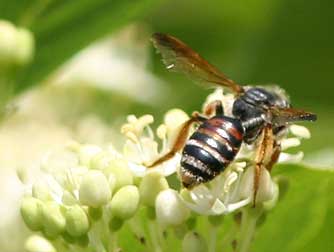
(248, 227)
(113, 244)
(154, 237)
(213, 239)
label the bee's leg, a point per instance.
(180, 140)
(214, 108)
(265, 151)
(274, 156)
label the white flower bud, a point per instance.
(59, 161)
(40, 190)
(36, 243)
(87, 152)
(266, 188)
(25, 46)
(175, 117)
(16, 44)
(7, 42)
(53, 219)
(94, 189)
(174, 120)
(101, 161)
(270, 204)
(68, 199)
(32, 213)
(170, 210)
(193, 242)
(77, 223)
(125, 202)
(120, 170)
(151, 185)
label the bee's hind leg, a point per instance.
(180, 140)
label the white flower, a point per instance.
(226, 99)
(298, 132)
(222, 195)
(115, 60)
(100, 178)
(141, 148)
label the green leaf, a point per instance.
(304, 219)
(62, 28)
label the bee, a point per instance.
(259, 115)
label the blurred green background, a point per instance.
(286, 42)
(289, 43)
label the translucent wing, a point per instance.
(284, 115)
(177, 56)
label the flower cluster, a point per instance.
(86, 194)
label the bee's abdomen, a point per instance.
(210, 149)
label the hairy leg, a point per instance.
(180, 140)
(265, 155)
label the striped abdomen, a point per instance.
(210, 149)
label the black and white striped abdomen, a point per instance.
(210, 149)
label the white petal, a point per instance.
(289, 142)
(200, 193)
(56, 189)
(300, 131)
(169, 167)
(218, 207)
(234, 206)
(265, 191)
(166, 168)
(137, 169)
(196, 208)
(246, 184)
(131, 151)
(149, 149)
(202, 197)
(87, 152)
(290, 158)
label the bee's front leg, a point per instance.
(266, 156)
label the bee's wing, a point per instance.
(281, 116)
(179, 57)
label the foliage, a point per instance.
(62, 28)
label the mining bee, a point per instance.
(258, 115)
